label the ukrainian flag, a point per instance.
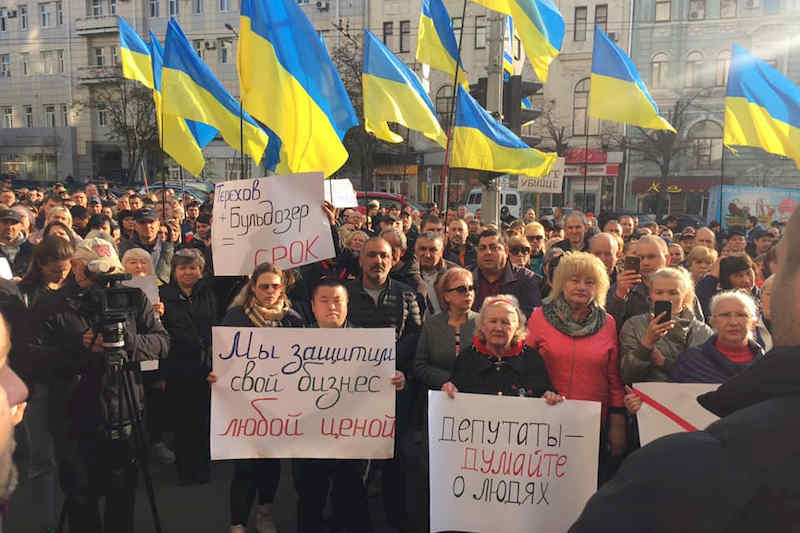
(135, 55)
(762, 107)
(290, 84)
(190, 90)
(436, 40)
(393, 93)
(617, 93)
(182, 139)
(540, 27)
(482, 143)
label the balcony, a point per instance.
(96, 25)
(99, 75)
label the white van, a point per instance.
(508, 198)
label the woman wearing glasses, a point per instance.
(444, 334)
(534, 234)
(519, 251)
(261, 303)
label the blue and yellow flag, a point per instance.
(190, 90)
(182, 139)
(436, 40)
(617, 93)
(762, 107)
(290, 84)
(540, 27)
(135, 55)
(508, 48)
(393, 93)
(482, 143)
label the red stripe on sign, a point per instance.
(664, 410)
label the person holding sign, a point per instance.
(650, 343)
(261, 303)
(498, 362)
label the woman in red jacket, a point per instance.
(578, 341)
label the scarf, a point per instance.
(513, 350)
(559, 314)
(266, 317)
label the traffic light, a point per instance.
(514, 115)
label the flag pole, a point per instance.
(452, 118)
(241, 110)
(586, 169)
(721, 181)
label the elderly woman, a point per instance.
(190, 310)
(498, 362)
(444, 333)
(699, 262)
(262, 303)
(734, 272)
(578, 341)
(731, 350)
(650, 347)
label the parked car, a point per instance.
(509, 198)
(386, 199)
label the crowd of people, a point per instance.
(558, 308)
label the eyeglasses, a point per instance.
(534, 237)
(519, 250)
(462, 289)
(732, 316)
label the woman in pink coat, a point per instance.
(578, 341)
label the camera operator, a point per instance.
(90, 422)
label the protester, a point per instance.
(444, 334)
(458, 250)
(406, 270)
(676, 256)
(763, 331)
(575, 229)
(551, 261)
(535, 235)
(732, 272)
(519, 251)
(649, 345)
(14, 246)
(428, 252)
(628, 227)
(605, 247)
(146, 235)
(699, 262)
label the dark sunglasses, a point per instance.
(462, 289)
(534, 237)
(519, 250)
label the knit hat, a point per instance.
(99, 255)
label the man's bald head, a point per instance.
(705, 237)
(785, 304)
(606, 247)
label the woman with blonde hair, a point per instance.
(56, 214)
(578, 341)
(699, 262)
(498, 362)
(650, 344)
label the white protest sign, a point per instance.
(147, 284)
(5, 269)
(487, 452)
(278, 219)
(552, 183)
(680, 399)
(303, 392)
(340, 193)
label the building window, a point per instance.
(579, 30)
(60, 61)
(25, 61)
(102, 115)
(45, 15)
(694, 69)
(5, 65)
(99, 56)
(388, 29)
(49, 116)
(601, 16)
(59, 14)
(23, 17)
(96, 8)
(3, 19)
(480, 32)
(659, 71)
(114, 55)
(663, 10)
(697, 9)
(199, 45)
(224, 50)
(174, 8)
(457, 25)
(153, 8)
(112, 7)
(197, 6)
(723, 67)
(405, 35)
(224, 5)
(64, 115)
(444, 103)
(705, 141)
(582, 123)
(8, 117)
(27, 110)
(727, 9)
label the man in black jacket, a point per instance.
(146, 236)
(377, 301)
(739, 474)
(14, 245)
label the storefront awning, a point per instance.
(671, 185)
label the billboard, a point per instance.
(740, 202)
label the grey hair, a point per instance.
(608, 236)
(432, 236)
(578, 214)
(740, 296)
(507, 300)
(140, 253)
(399, 234)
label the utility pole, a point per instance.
(490, 204)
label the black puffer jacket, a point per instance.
(738, 475)
(188, 320)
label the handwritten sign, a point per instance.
(552, 183)
(305, 393)
(512, 461)
(680, 399)
(147, 284)
(278, 219)
(340, 193)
